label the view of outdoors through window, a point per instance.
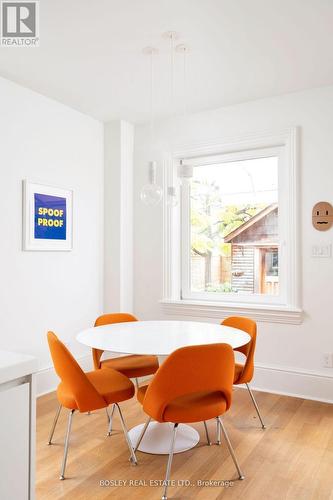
(234, 227)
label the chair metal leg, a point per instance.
(137, 383)
(232, 453)
(256, 406)
(63, 467)
(133, 457)
(207, 434)
(167, 475)
(110, 417)
(218, 433)
(142, 434)
(55, 421)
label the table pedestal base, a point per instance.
(157, 439)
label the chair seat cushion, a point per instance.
(113, 386)
(191, 407)
(141, 392)
(133, 366)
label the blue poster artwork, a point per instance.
(50, 217)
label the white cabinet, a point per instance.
(17, 426)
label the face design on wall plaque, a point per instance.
(322, 216)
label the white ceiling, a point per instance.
(90, 54)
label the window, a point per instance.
(231, 213)
(233, 240)
(234, 227)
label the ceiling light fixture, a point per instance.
(185, 171)
(172, 195)
(151, 194)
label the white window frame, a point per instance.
(177, 298)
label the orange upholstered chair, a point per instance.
(133, 366)
(244, 372)
(193, 384)
(80, 391)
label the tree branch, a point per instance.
(199, 253)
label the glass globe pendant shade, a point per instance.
(151, 194)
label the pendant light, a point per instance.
(172, 195)
(185, 171)
(151, 193)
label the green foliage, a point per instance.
(233, 216)
(224, 249)
(210, 222)
(220, 288)
(201, 244)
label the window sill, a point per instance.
(213, 310)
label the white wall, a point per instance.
(289, 357)
(45, 141)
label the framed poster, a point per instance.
(47, 217)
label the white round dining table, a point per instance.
(160, 338)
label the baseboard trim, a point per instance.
(296, 383)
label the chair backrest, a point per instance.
(249, 326)
(188, 370)
(108, 319)
(71, 374)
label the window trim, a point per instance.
(288, 312)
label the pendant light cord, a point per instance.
(152, 131)
(185, 80)
(172, 52)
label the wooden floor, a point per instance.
(291, 459)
